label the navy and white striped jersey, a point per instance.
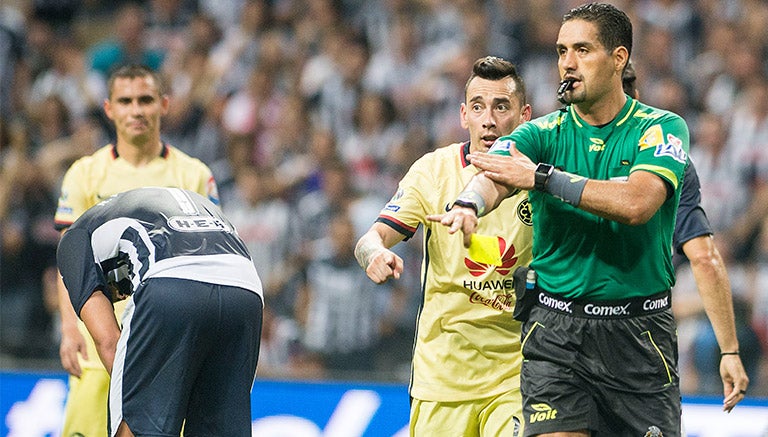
(152, 232)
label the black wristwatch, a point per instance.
(543, 172)
(465, 204)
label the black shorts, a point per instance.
(188, 351)
(602, 369)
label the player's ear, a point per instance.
(620, 58)
(525, 114)
(463, 111)
(165, 103)
(107, 109)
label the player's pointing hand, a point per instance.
(459, 218)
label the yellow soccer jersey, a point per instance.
(93, 178)
(96, 177)
(467, 343)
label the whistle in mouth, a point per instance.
(565, 85)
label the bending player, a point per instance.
(189, 341)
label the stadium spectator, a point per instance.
(342, 316)
(466, 361)
(267, 225)
(26, 325)
(136, 103)
(185, 352)
(238, 51)
(377, 132)
(129, 44)
(14, 62)
(336, 192)
(749, 139)
(70, 79)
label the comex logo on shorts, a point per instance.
(556, 304)
(543, 412)
(607, 310)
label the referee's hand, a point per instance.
(735, 381)
(459, 218)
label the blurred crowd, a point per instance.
(308, 112)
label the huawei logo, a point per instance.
(508, 260)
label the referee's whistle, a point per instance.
(565, 85)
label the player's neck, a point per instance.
(603, 111)
(141, 153)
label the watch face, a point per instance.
(543, 171)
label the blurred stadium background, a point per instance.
(309, 112)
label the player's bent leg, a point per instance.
(220, 403)
(89, 394)
(156, 361)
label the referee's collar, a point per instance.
(163, 151)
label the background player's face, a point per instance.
(135, 106)
(491, 110)
(582, 57)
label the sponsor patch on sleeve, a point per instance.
(672, 148)
(652, 138)
(501, 146)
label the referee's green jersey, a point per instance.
(578, 254)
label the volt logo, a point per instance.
(543, 412)
(598, 145)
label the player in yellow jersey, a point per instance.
(138, 158)
(466, 363)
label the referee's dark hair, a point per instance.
(133, 71)
(628, 79)
(614, 28)
(495, 68)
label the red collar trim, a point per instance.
(464, 153)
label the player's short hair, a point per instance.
(495, 68)
(133, 71)
(614, 28)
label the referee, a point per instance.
(599, 343)
(189, 343)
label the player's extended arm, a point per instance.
(715, 291)
(72, 341)
(481, 196)
(373, 254)
(632, 202)
(99, 317)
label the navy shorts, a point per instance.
(188, 351)
(608, 367)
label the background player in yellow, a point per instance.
(466, 364)
(135, 104)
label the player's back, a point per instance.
(178, 222)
